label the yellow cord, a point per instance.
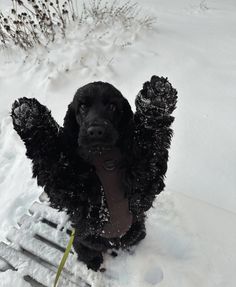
(64, 258)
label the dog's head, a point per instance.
(98, 118)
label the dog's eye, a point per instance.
(83, 107)
(112, 107)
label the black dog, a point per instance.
(106, 165)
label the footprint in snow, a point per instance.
(153, 276)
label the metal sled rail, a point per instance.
(35, 248)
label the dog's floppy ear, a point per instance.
(71, 127)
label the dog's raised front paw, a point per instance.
(157, 97)
(24, 113)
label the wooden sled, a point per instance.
(34, 249)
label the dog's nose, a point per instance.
(96, 132)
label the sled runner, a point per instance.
(36, 246)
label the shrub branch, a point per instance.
(38, 22)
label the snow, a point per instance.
(191, 231)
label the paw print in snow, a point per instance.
(153, 276)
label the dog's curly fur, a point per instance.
(72, 183)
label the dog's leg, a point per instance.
(136, 233)
(40, 133)
(92, 258)
(44, 146)
(154, 106)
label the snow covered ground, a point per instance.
(191, 237)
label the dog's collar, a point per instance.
(109, 160)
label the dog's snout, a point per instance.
(96, 132)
